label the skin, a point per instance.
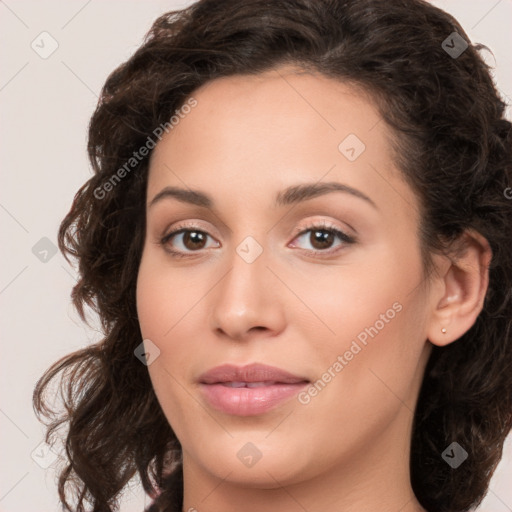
(347, 449)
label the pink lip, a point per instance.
(269, 386)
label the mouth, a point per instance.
(249, 390)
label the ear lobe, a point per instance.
(464, 286)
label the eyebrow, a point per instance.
(291, 195)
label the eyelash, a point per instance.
(184, 228)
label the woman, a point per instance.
(298, 240)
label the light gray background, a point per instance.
(45, 106)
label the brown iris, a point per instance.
(321, 238)
(197, 239)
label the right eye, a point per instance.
(183, 240)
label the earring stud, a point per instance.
(443, 330)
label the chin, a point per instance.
(253, 461)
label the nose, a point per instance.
(248, 300)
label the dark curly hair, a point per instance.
(453, 146)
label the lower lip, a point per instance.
(249, 401)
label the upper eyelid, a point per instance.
(186, 226)
(296, 231)
(321, 224)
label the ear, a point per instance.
(460, 288)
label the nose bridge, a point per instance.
(248, 270)
(246, 297)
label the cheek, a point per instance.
(368, 371)
(164, 298)
(168, 313)
(358, 298)
(372, 330)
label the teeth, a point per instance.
(248, 384)
(235, 384)
(258, 384)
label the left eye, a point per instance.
(321, 238)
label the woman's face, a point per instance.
(263, 277)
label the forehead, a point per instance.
(285, 104)
(266, 131)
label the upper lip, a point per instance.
(250, 373)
